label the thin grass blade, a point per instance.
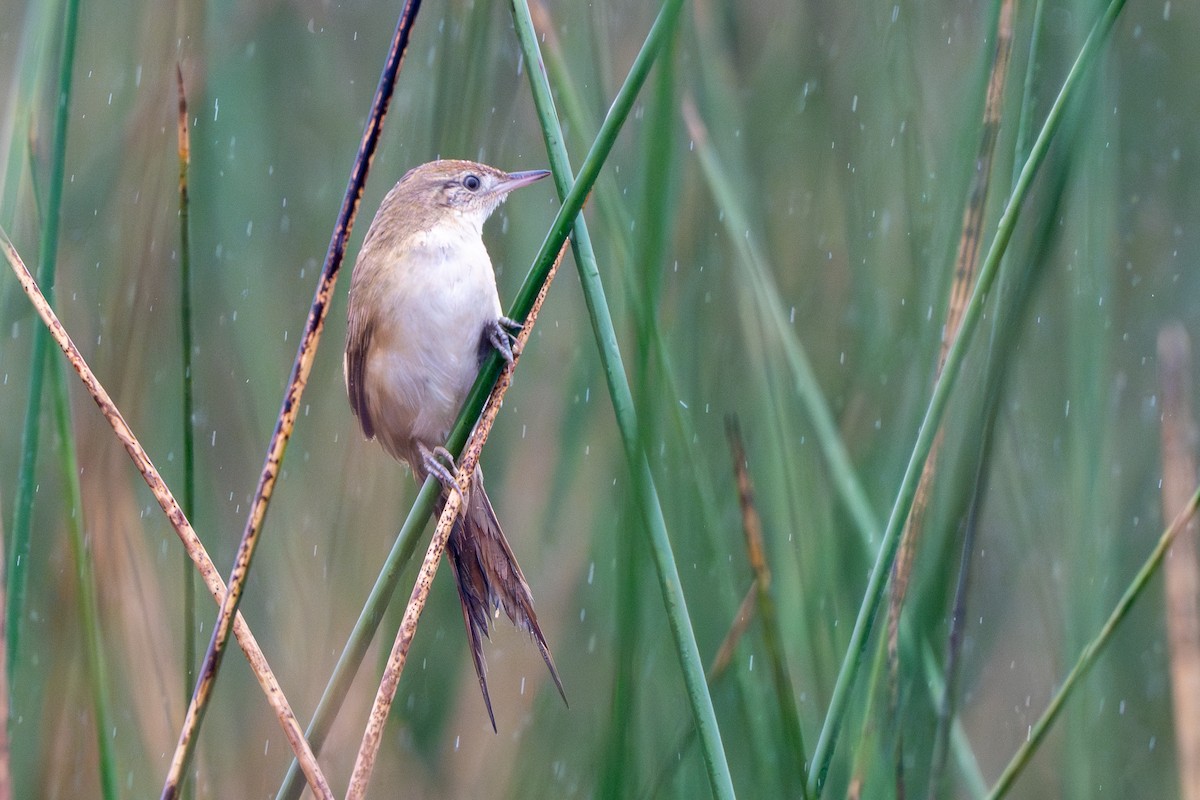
(48, 262)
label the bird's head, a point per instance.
(464, 188)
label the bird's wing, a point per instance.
(358, 344)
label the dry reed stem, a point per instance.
(1182, 570)
(756, 555)
(301, 368)
(966, 268)
(756, 552)
(752, 527)
(741, 621)
(166, 501)
(364, 763)
(183, 136)
(751, 521)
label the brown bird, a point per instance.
(424, 313)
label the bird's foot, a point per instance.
(440, 464)
(501, 334)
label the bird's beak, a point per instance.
(516, 180)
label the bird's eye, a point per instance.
(472, 183)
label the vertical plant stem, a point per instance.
(839, 701)
(1025, 120)
(618, 386)
(1014, 289)
(946, 707)
(616, 780)
(966, 267)
(621, 744)
(1182, 573)
(85, 582)
(797, 764)
(48, 261)
(718, 668)
(189, 432)
(301, 367)
(187, 425)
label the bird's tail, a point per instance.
(488, 577)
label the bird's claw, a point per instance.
(439, 463)
(501, 334)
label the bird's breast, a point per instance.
(445, 288)
(432, 305)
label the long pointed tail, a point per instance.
(488, 577)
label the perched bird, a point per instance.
(424, 313)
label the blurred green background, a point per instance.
(820, 185)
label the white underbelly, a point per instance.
(424, 355)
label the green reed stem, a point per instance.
(18, 568)
(85, 581)
(618, 385)
(188, 427)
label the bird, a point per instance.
(424, 313)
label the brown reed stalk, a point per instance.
(178, 520)
(1182, 570)
(364, 763)
(796, 762)
(966, 267)
(733, 637)
(757, 598)
(285, 423)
